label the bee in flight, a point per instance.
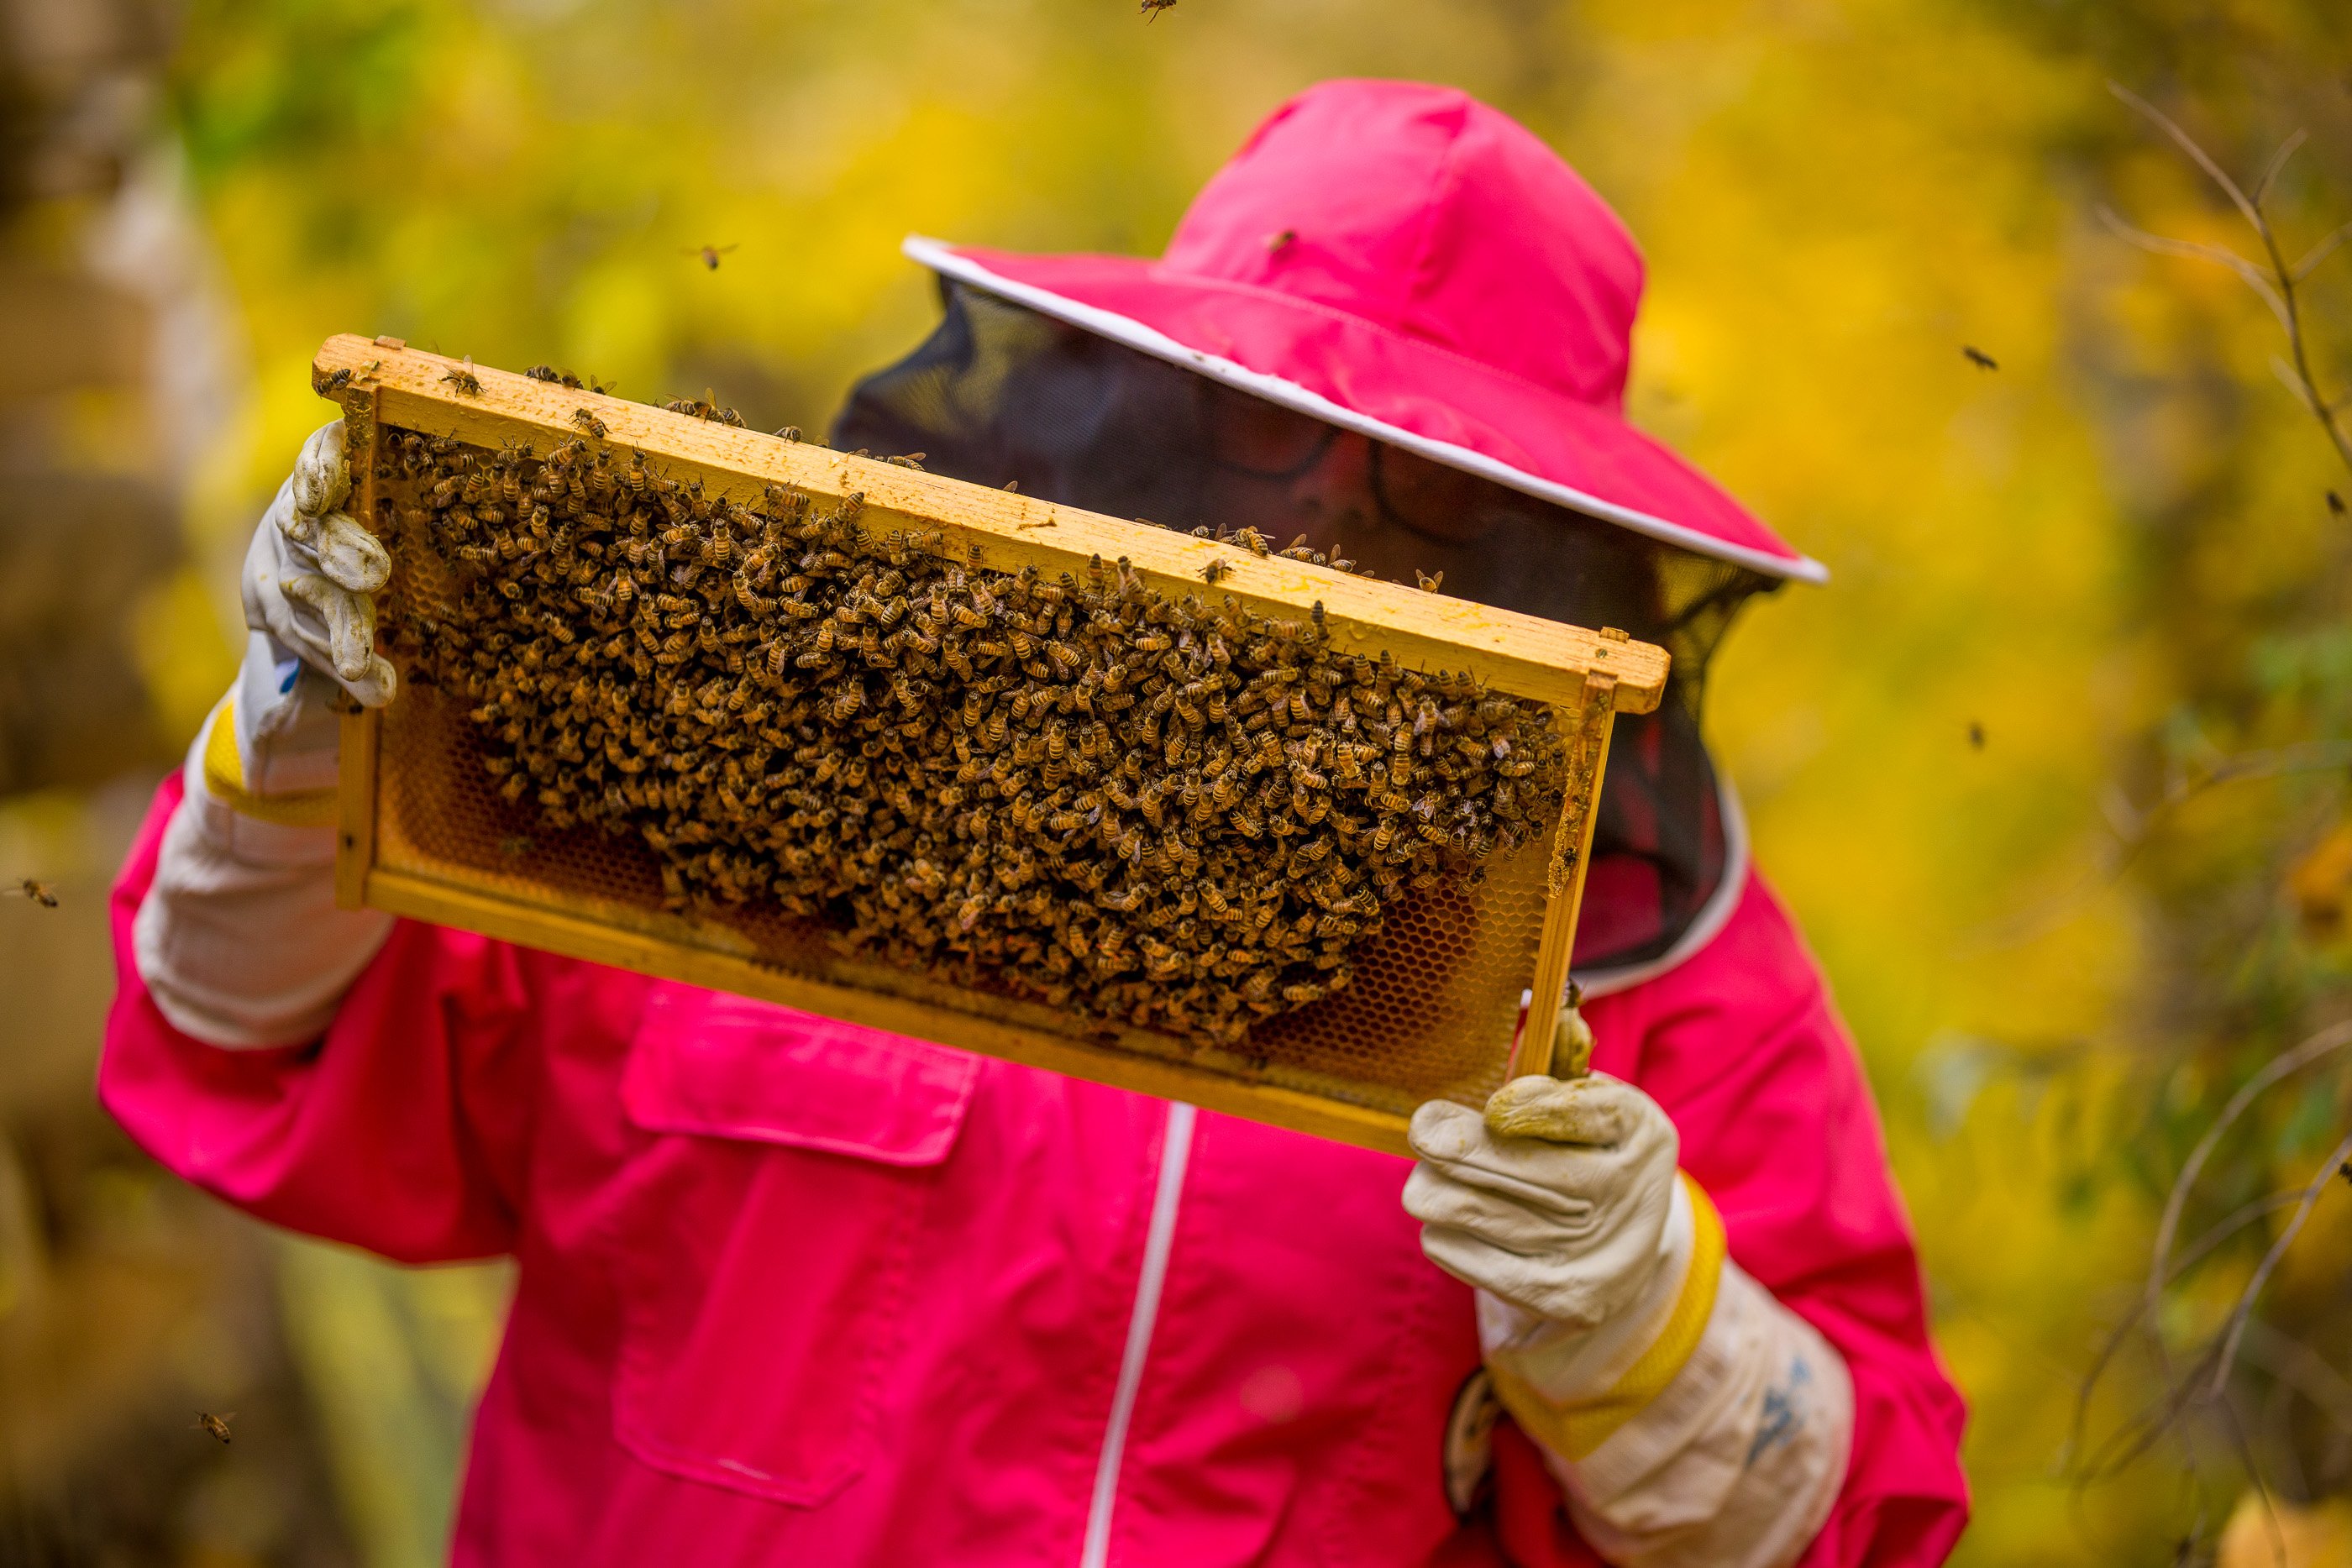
(1978, 358)
(215, 1426)
(708, 254)
(1152, 8)
(39, 891)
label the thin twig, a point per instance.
(2196, 1252)
(2134, 826)
(2278, 161)
(2319, 253)
(2189, 146)
(2302, 1368)
(2198, 250)
(2247, 1297)
(2335, 1038)
(2277, 287)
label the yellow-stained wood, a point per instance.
(1001, 531)
(1586, 676)
(551, 931)
(355, 808)
(1590, 727)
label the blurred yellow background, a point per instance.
(2064, 588)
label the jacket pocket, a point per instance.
(762, 1236)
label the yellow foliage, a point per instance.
(1835, 197)
(2285, 1536)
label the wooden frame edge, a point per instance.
(1523, 654)
(1590, 741)
(419, 898)
(355, 808)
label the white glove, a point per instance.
(1690, 1417)
(239, 939)
(1554, 1200)
(310, 571)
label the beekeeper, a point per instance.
(794, 1292)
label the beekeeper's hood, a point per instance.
(1401, 264)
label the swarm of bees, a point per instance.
(1175, 814)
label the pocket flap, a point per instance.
(721, 1066)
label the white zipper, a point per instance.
(1175, 1151)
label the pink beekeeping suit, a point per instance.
(796, 1292)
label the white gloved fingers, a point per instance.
(1445, 1131)
(1567, 1227)
(1556, 1194)
(350, 555)
(299, 628)
(1476, 1260)
(1556, 1178)
(1436, 1196)
(322, 474)
(1595, 1110)
(288, 518)
(308, 575)
(351, 631)
(376, 686)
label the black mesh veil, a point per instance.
(1000, 393)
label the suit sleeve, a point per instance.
(403, 1130)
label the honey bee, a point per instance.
(1151, 9)
(589, 423)
(40, 892)
(1104, 762)
(464, 378)
(213, 1426)
(1216, 571)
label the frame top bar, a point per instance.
(1002, 531)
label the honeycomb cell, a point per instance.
(1432, 998)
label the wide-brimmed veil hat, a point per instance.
(1404, 261)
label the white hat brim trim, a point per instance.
(940, 257)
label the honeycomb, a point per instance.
(1427, 1007)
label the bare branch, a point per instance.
(2278, 161)
(2181, 137)
(2254, 277)
(2302, 1368)
(2317, 254)
(2293, 384)
(2278, 1067)
(2253, 1292)
(2195, 1253)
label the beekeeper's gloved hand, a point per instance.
(312, 570)
(1689, 1417)
(239, 940)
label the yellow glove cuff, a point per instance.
(1575, 1429)
(225, 777)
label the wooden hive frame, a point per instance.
(1587, 677)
